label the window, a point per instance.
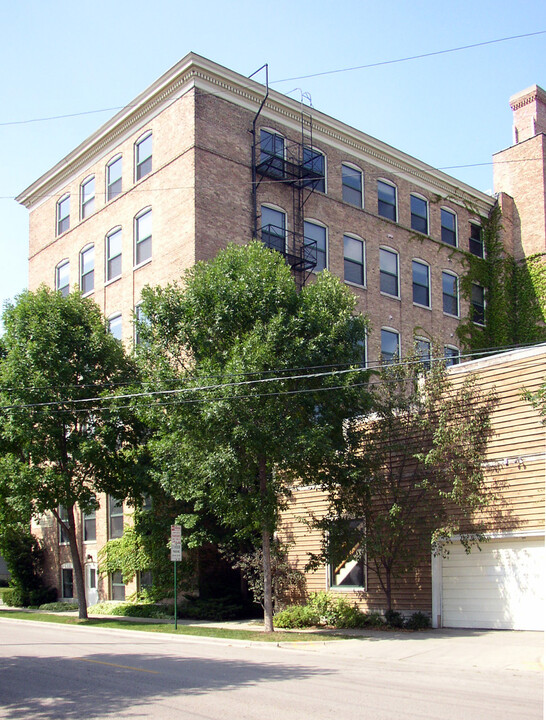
(63, 214)
(450, 294)
(449, 227)
(115, 327)
(113, 254)
(143, 237)
(87, 269)
(274, 229)
(347, 554)
(421, 283)
(422, 350)
(272, 154)
(419, 214)
(475, 242)
(386, 200)
(351, 181)
(143, 156)
(118, 586)
(67, 577)
(314, 163)
(147, 502)
(63, 534)
(388, 272)
(451, 355)
(140, 319)
(87, 197)
(90, 526)
(390, 345)
(353, 260)
(477, 302)
(146, 579)
(115, 517)
(62, 278)
(113, 178)
(316, 234)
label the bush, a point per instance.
(59, 607)
(216, 609)
(417, 621)
(336, 611)
(394, 619)
(16, 597)
(375, 620)
(141, 610)
(4, 582)
(297, 616)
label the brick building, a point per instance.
(205, 156)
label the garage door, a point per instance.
(500, 587)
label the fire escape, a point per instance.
(300, 167)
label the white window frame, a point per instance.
(113, 505)
(447, 357)
(458, 296)
(388, 182)
(115, 316)
(358, 170)
(349, 588)
(63, 514)
(84, 213)
(424, 264)
(58, 267)
(59, 220)
(67, 566)
(352, 236)
(108, 258)
(451, 212)
(393, 252)
(137, 164)
(317, 223)
(109, 164)
(278, 209)
(85, 517)
(394, 331)
(117, 584)
(83, 251)
(427, 213)
(137, 242)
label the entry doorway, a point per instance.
(91, 589)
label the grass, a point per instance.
(193, 630)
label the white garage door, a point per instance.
(500, 587)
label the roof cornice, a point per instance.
(196, 71)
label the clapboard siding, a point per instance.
(515, 469)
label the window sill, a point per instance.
(352, 588)
(424, 307)
(142, 264)
(455, 317)
(112, 280)
(392, 297)
(88, 293)
(352, 284)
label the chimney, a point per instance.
(529, 110)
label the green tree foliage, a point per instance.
(411, 472)
(230, 344)
(59, 448)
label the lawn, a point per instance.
(193, 630)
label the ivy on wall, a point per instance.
(515, 294)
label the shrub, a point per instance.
(16, 597)
(336, 611)
(142, 610)
(394, 619)
(297, 616)
(375, 620)
(59, 607)
(226, 608)
(417, 621)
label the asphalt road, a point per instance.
(49, 672)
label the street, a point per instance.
(49, 672)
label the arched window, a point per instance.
(143, 156)
(389, 280)
(273, 228)
(113, 178)
(316, 243)
(87, 269)
(63, 214)
(87, 197)
(62, 277)
(143, 236)
(113, 254)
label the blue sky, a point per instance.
(58, 58)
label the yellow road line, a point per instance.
(123, 667)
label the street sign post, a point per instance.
(176, 556)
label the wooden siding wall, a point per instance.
(517, 449)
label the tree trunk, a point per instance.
(388, 589)
(77, 567)
(266, 552)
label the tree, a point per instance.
(59, 449)
(411, 473)
(248, 363)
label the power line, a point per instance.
(409, 58)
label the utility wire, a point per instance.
(408, 58)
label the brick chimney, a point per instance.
(529, 109)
